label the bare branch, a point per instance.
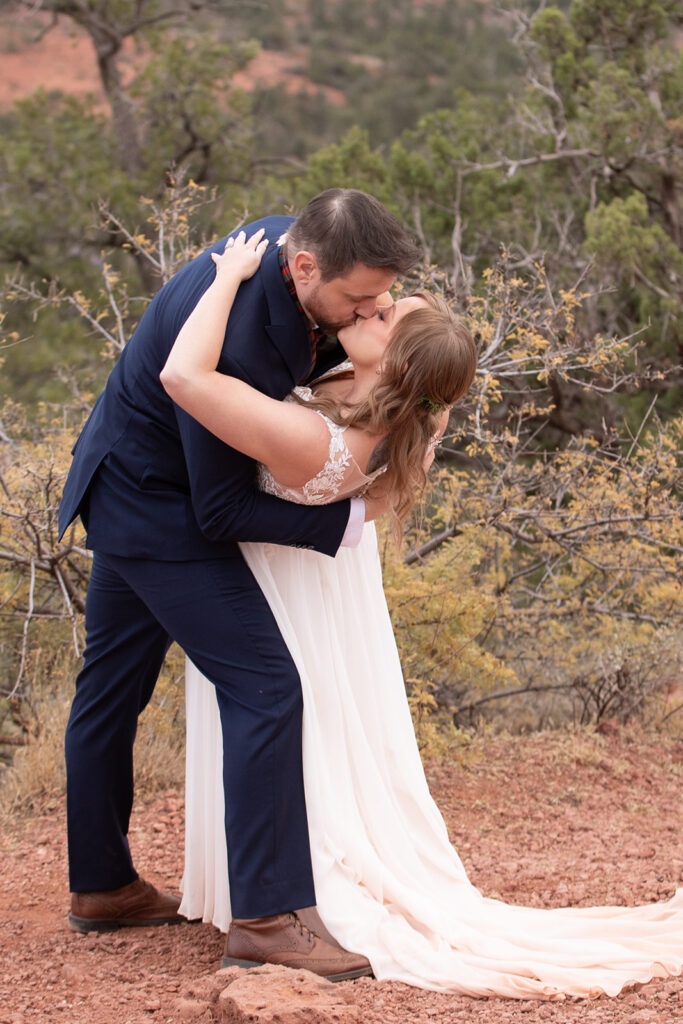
(24, 635)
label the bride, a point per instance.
(388, 882)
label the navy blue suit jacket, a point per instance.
(147, 479)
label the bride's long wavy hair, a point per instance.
(428, 364)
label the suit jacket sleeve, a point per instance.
(228, 504)
(226, 500)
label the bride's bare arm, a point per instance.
(291, 440)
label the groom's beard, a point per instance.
(324, 317)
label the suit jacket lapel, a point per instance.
(286, 329)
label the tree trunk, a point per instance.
(125, 128)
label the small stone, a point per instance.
(71, 974)
(192, 1009)
(208, 988)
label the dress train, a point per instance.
(388, 882)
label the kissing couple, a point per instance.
(273, 401)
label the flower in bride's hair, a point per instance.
(430, 405)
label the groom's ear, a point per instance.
(304, 268)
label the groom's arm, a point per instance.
(228, 504)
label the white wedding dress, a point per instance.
(388, 882)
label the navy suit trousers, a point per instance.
(217, 613)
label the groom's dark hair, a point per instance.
(343, 227)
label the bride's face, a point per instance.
(366, 340)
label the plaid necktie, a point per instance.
(323, 346)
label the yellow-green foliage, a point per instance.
(553, 568)
(440, 607)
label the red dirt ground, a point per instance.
(552, 819)
(64, 59)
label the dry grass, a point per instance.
(36, 778)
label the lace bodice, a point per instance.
(340, 477)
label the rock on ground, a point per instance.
(279, 995)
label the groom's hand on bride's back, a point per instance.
(376, 504)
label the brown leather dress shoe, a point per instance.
(285, 940)
(137, 905)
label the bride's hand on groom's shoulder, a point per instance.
(241, 256)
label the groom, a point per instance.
(164, 503)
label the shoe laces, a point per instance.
(303, 929)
